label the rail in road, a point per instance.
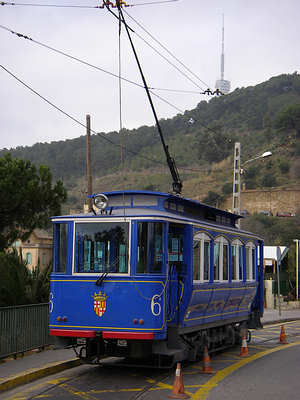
(108, 382)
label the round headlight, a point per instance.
(101, 201)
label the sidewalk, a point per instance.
(272, 316)
(36, 365)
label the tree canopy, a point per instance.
(289, 118)
(27, 198)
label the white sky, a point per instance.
(261, 41)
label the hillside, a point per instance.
(201, 140)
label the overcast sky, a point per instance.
(261, 41)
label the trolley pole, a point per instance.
(88, 161)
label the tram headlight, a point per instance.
(101, 201)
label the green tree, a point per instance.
(289, 118)
(269, 180)
(14, 285)
(27, 199)
(19, 285)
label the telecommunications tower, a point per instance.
(222, 84)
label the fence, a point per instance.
(23, 328)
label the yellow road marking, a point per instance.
(75, 392)
(281, 323)
(252, 346)
(203, 392)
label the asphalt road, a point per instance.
(271, 371)
(273, 377)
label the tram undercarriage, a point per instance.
(163, 353)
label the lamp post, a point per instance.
(237, 171)
(297, 266)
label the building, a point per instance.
(272, 254)
(37, 249)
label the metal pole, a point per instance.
(236, 194)
(297, 268)
(278, 277)
(88, 161)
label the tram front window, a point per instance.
(102, 247)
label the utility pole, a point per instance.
(88, 161)
(297, 268)
(236, 195)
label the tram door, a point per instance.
(177, 270)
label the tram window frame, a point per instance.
(201, 259)
(60, 254)
(95, 252)
(237, 263)
(250, 261)
(150, 257)
(221, 259)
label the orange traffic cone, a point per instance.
(206, 369)
(282, 339)
(178, 388)
(244, 347)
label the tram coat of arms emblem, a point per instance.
(99, 303)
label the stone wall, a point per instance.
(275, 200)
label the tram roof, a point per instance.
(149, 203)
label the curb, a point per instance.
(37, 373)
(278, 321)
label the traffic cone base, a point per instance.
(282, 339)
(244, 348)
(206, 369)
(178, 387)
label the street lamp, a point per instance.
(297, 265)
(237, 171)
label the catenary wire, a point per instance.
(20, 35)
(165, 48)
(154, 49)
(6, 3)
(84, 125)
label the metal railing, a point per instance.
(23, 328)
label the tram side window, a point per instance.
(253, 263)
(102, 247)
(197, 258)
(250, 262)
(201, 257)
(150, 246)
(216, 261)
(221, 259)
(60, 241)
(236, 261)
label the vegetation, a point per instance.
(264, 117)
(27, 199)
(19, 285)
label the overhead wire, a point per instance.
(20, 35)
(8, 3)
(84, 125)
(165, 48)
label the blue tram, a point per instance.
(153, 275)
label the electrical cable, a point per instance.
(20, 35)
(6, 3)
(154, 49)
(165, 48)
(84, 125)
